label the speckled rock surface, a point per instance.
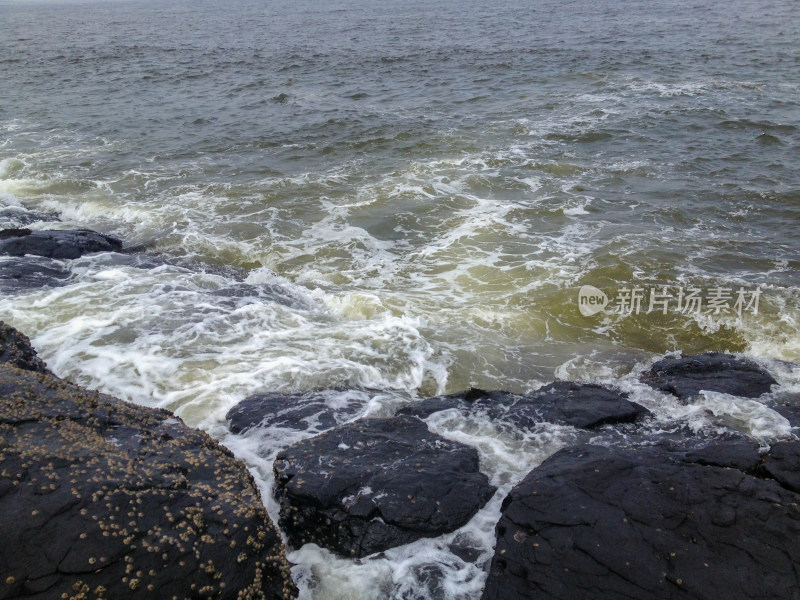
(104, 499)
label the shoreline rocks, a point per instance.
(34, 259)
(629, 509)
(686, 376)
(56, 243)
(646, 522)
(582, 405)
(374, 484)
(302, 411)
(105, 499)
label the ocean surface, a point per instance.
(400, 198)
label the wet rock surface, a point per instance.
(60, 244)
(374, 484)
(16, 350)
(104, 499)
(686, 376)
(649, 522)
(788, 405)
(582, 405)
(782, 463)
(471, 400)
(30, 272)
(314, 411)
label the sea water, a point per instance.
(398, 199)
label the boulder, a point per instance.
(649, 523)
(730, 450)
(686, 376)
(582, 405)
(374, 484)
(56, 243)
(105, 499)
(303, 411)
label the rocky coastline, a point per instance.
(105, 499)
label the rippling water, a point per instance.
(399, 196)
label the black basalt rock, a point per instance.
(303, 411)
(582, 405)
(686, 376)
(374, 484)
(53, 243)
(782, 463)
(788, 405)
(472, 400)
(104, 499)
(650, 523)
(31, 272)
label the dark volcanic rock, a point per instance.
(598, 522)
(317, 411)
(23, 273)
(16, 350)
(732, 450)
(782, 463)
(788, 405)
(584, 405)
(470, 401)
(104, 499)
(375, 484)
(686, 376)
(56, 243)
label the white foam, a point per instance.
(748, 416)
(170, 337)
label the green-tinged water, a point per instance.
(401, 196)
